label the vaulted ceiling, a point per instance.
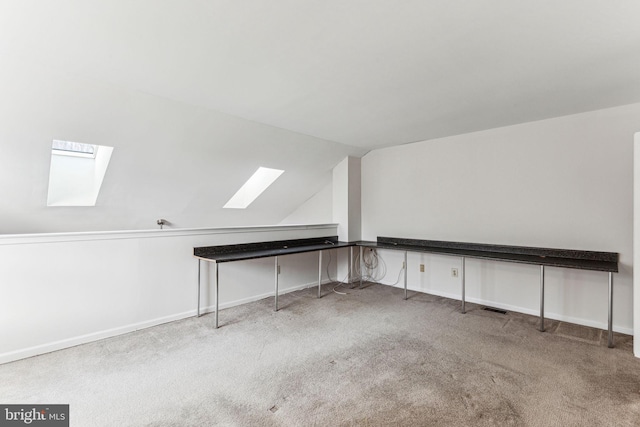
(367, 73)
(195, 95)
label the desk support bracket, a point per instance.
(215, 267)
(464, 310)
(361, 263)
(405, 275)
(350, 279)
(198, 310)
(276, 273)
(319, 274)
(610, 320)
(542, 298)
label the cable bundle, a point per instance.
(375, 269)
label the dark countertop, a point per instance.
(507, 249)
(226, 253)
(567, 258)
(582, 264)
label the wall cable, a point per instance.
(375, 269)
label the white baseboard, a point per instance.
(508, 307)
(108, 333)
(87, 338)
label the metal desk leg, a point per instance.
(361, 269)
(405, 275)
(319, 274)
(542, 298)
(215, 266)
(276, 269)
(198, 310)
(610, 310)
(464, 310)
(350, 280)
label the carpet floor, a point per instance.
(368, 358)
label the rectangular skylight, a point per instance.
(76, 173)
(251, 189)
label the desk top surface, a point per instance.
(583, 260)
(266, 249)
(582, 264)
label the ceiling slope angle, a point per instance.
(170, 160)
(366, 74)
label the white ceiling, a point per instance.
(367, 73)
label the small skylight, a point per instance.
(76, 173)
(251, 189)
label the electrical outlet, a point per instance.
(454, 272)
(403, 266)
(421, 268)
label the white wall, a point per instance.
(347, 210)
(562, 183)
(170, 160)
(60, 290)
(347, 198)
(317, 210)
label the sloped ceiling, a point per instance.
(170, 160)
(195, 95)
(367, 73)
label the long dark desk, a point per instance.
(246, 251)
(544, 257)
(564, 258)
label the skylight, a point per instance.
(251, 189)
(76, 173)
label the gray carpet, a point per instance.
(368, 358)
